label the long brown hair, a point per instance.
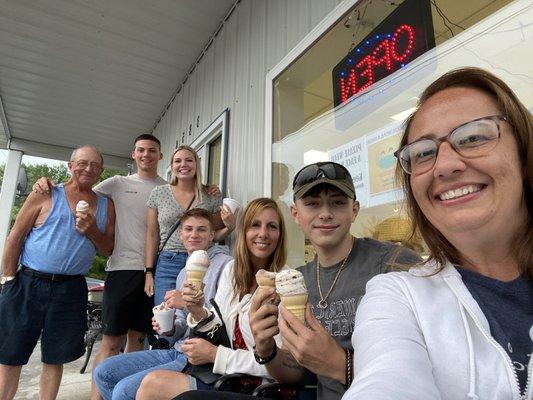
(197, 176)
(243, 273)
(522, 127)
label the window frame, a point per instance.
(218, 128)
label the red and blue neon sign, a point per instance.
(403, 36)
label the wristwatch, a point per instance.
(6, 279)
(261, 360)
(149, 270)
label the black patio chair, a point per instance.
(271, 389)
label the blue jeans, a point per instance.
(169, 265)
(119, 377)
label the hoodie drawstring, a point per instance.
(471, 362)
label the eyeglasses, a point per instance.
(84, 164)
(327, 170)
(471, 139)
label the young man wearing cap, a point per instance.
(325, 207)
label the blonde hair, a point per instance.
(243, 273)
(198, 175)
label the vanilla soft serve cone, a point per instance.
(82, 207)
(196, 267)
(291, 288)
(267, 279)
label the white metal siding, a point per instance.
(99, 71)
(232, 75)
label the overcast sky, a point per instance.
(29, 159)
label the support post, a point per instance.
(7, 195)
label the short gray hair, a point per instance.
(87, 146)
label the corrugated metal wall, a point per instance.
(232, 75)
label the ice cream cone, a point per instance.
(267, 279)
(296, 305)
(82, 207)
(196, 267)
(195, 278)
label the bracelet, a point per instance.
(261, 360)
(149, 270)
(348, 371)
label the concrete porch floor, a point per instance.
(74, 386)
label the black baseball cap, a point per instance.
(319, 173)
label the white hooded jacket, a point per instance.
(230, 361)
(421, 335)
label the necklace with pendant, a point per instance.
(323, 303)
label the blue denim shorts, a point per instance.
(197, 384)
(169, 265)
(55, 311)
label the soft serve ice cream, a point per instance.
(82, 207)
(291, 288)
(267, 279)
(196, 267)
(164, 316)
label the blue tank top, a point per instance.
(56, 247)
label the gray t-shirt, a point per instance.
(129, 193)
(368, 258)
(169, 211)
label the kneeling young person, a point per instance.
(119, 377)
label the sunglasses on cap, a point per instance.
(323, 172)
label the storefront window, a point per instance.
(363, 132)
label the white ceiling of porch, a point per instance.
(98, 71)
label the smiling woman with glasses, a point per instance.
(459, 326)
(471, 139)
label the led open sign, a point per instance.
(404, 35)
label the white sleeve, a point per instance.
(228, 361)
(223, 298)
(106, 188)
(390, 356)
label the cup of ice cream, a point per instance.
(164, 316)
(232, 204)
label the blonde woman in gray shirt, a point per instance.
(166, 205)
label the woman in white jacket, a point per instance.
(261, 244)
(460, 326)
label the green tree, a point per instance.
(58, 173)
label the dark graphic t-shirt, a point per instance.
(368, 258)
(508, 307)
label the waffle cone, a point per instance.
(296, 305)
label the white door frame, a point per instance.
(202, 142)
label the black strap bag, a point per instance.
(170, 232)
(218, 336)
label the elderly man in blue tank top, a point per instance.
(53, 246)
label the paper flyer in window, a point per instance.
(371, 162)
